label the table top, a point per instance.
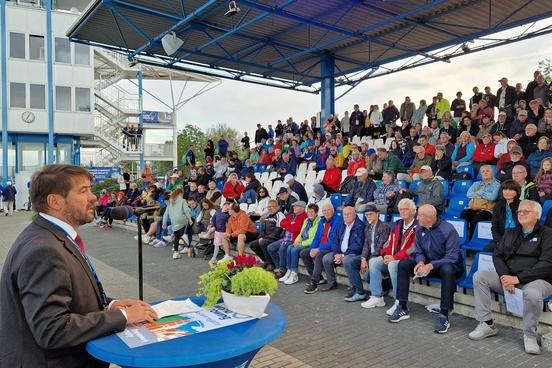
(210, 346)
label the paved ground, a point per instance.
(322, 331)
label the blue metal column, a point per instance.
(4, 66)
(50, 66)
(327, 70)
(141, 118)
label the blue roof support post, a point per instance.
(4, 66)
(50, 67)
(141, 116)
(327, 71)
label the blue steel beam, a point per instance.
(50, 67)
(327, 88)
(4, 67)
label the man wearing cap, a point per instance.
(390, 162)
(429, 190)
(296, 187)
(346, 248)
(422, 159)
(291, 225)
(502, 124)
(506, 96)
(516, 158)
(362, 192)
(319, 196)
(285, 199)
(518, 126)
(530, 139)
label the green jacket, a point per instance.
(312, 233)
(178, 212)
(417, 164)
(393, 164)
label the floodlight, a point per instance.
(233, 9)
(171, 43)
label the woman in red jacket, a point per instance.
(233, 188)
(484, 153)
(332, 176)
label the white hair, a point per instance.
(536, 206)
(409, 202)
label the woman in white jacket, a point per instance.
(259, 209)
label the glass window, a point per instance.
(18, 97)
(37, 94)
(11, 161)
(82, 54)
(63, 98)
(63, 50)
(31, 156)
(63, 153)
(17, 45)
(82, 99)
(36, 47)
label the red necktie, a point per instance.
(80, 243)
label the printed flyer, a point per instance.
(173, 327)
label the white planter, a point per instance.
(253, 305)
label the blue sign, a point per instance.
(103, 173)
(157, 117)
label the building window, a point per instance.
(82, 99)
(82, 54)
(31, 156)
(63, 50)
(17, 45)
(36, 47)
(63, 98)
(37, 94)
(18, 97)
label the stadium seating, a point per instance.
(481, 237)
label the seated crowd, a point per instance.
(320, 194)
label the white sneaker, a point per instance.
(168, 238)
(183, 250)
(160, 244)
(482, 331)
(531, 345)
(153, 241)
(176, 255)
(226, 257)
(285, 277)
(391, 310)
(373, 301)
(292, 278)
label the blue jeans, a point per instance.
(351, 262)
(377, 269)
(249, 197)
(159, 231)
(278, 253)
(292, 260)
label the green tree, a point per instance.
(230, 134)
(191, 134)
(545, 67)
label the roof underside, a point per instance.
(282, 41)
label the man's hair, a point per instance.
(409, 202)
(54, 179)
(382, 149)
(536, 206)
(235, 207)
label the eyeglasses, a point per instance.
(524, 212)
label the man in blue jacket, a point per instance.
(346, 248)
(437, 254)
(312, 257)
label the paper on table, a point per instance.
(514, 302)
(174, 307)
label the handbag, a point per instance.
(478, 204)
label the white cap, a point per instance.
(288, 177)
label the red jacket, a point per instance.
(429, 149)
(293, 223)
(400, 250)
(484, 153)
(332, 178)
(233, 191)
(354, 165)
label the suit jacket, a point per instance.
(50, 303)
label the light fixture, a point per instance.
(465, 48)
(233, 9)
(171, 43)
(132, 62)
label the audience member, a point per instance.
(239, 229)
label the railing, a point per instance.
(158, 150)
(121, 99)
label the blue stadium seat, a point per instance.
(461, 227)
(455, 207)
(467, 282)
(493, 167)
(260, 226)
(481, 237)
(402, 184)
(446, 187)
(467, 170)
(437, 280)
(460, 188)
(336, 200)
(414, 184)
(545, 208)
(220, 184)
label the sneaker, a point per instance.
(391, 310)
(292, 278)
(531, 345)
(321, 282)
(153, 241)
(311, 288)
(285, 277)
(226, 257)
(356, 297)
(160, 244)
(168, 238)
(482, 331)
(176, 255)
(329, 287)
(399, 315)
(184, 250)
(442, 324)
(374, 301)
(146, 239)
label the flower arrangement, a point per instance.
(240, 276)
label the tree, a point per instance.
(545, 67)
(191, 134)
(230, 134)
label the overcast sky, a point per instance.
(243, 105)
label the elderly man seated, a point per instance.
(523, 260)
(437, 254)
(362, 192)
(430, 190)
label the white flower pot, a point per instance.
(253, 305)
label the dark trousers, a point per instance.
(314, 265)
(356, 130)
(177, 236)
(260, 247)
(473, 217)
(448, 273)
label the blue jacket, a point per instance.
(536, 158)
(438, 244)
(219, 220)
(334, 228)
(470, 149)
(290, 166)
(364, 190)
(356, 238)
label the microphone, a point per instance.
(125, 212)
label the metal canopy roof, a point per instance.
(282, 42)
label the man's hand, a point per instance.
(140, 313)
(420, 264)
(363, 265)
(402, 190)
(424, 270)
(387, 259)
(314, 252)
(509, 280)
(126, 303)
(510, 289)
(164, 226)
(338, 258)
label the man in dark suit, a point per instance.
(51, 299)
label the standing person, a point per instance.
(441, 106)
(189, 158)
(8, 195)
(407, 110)
(345, 124)
(178, 214)
(124, 180)
(458, 105)
(147, 176)
(506, 96)
(418, 116)
(356, 122)
(245, 141)
(222, 147)
(51, 299)
(209, 150)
